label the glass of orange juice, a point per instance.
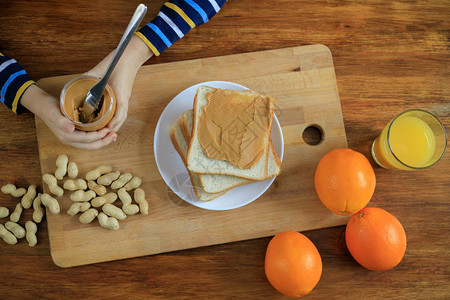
(415, 139)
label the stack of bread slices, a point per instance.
(212, 177)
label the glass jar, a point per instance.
(72, 98)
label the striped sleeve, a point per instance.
(175, 19)
(13, 83)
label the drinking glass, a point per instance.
(415, 139)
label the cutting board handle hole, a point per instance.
(313, 135)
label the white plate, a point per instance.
(173, 170)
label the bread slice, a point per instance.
(210, 183)
(274, 162)
(181, 146)
(199, 162)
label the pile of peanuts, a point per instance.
(11, 231)
(90, 198)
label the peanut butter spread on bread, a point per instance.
(234, 126)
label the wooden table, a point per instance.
(389, 56)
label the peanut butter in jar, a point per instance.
(72, 100)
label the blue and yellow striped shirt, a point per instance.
(13, 83)
(175, 19)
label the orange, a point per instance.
(376, 239)
(293, 265)
(344, 181)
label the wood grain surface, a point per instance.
(303, 82)
(389, 56)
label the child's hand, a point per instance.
(46, 107)
(122, 78)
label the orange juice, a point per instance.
(412, 141)
(407, 142)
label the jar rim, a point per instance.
(63, 93)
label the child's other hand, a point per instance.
(123, 76)
(46, 107)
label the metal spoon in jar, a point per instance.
(94, 95)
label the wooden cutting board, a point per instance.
(303, 81)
